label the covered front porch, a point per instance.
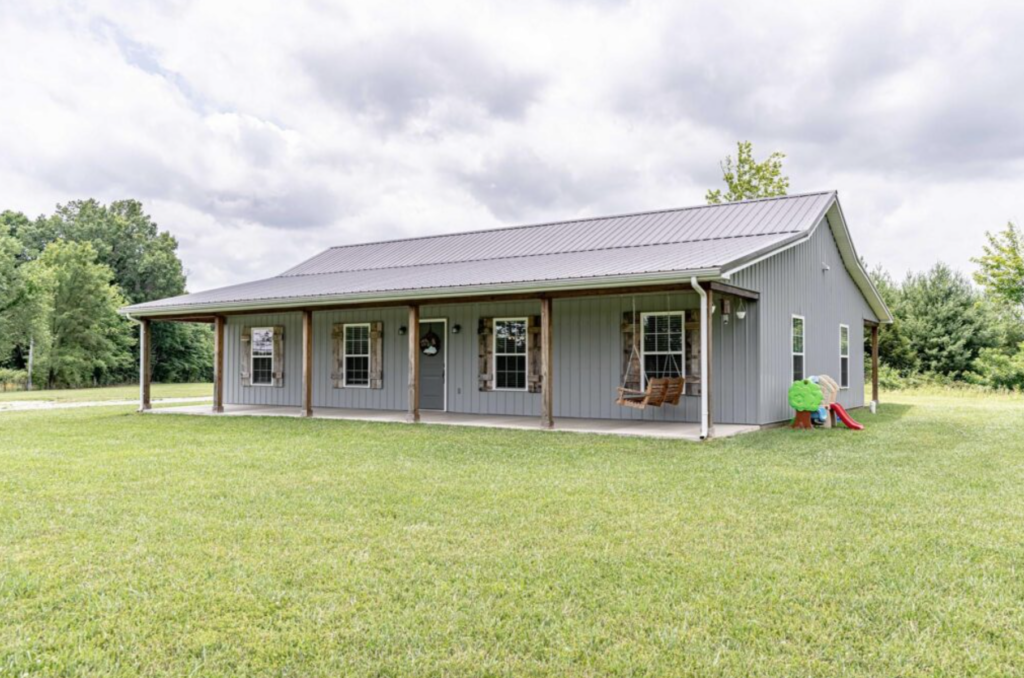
(650, 429)
(583, 340)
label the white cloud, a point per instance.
(259, 133)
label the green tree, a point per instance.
(145, 266)
(944, 321)
(747, 179)
(25, 302)
(894, 347)
(1002, 265)
(88, 342)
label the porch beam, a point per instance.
(307, 363)
(547, 419)
(466, 299)
(145, 338)
(740, 292)
(218, 364)
(874, 363)
(413, 331)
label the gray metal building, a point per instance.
(548, 320)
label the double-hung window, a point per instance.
(262, 356)
(798, 347)
(844, 356)
(663, 345)
(510, 345)
(357, 355)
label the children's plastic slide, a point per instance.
(845, 417)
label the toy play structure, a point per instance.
(805, 397)
(814, 400)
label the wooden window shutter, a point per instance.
(337, 365)
(533, 367)
(691, 348)
(245, 356)
(278, 356)
(485, 333)
(377, 354)
(632, 333)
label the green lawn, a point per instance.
(173, 545)
(131, 392)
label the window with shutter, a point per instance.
(262, 356)
(511, 340)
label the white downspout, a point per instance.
(703, 357)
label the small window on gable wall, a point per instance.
(844, 356)
(798, 347)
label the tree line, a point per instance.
(63, 278)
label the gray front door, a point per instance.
(432, 352)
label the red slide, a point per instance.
(845, 417)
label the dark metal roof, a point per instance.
(654, 246)
(772, 216)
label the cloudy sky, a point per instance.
(261, 132)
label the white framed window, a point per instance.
(844, 356)
(511, 336)
(356, 355)
(662, 345)
(797, 338)
(262, 339)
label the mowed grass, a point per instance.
(130, 392)
(173, 545)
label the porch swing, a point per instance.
(659, 391)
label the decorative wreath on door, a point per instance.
(430, 343)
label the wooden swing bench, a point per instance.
(660, 391)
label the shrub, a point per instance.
(13, 379)
(996, 369)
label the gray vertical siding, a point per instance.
(291, 392)
(795, 282)
(394, 394)
(587, 355)
(464, 394)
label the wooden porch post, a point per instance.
(711, 354)
(307, 363)
(547, 414)
(874, 363)
(218, 364)
(145, 338)
(413, 413)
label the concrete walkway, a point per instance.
(30, 405)
(649, 429)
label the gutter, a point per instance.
(703, 357)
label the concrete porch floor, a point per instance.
(649, 429)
